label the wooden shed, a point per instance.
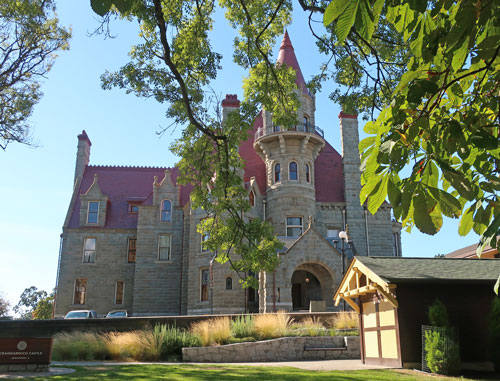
(392, 296)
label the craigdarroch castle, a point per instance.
(130, 242)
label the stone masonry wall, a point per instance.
(283, 349)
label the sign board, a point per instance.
(25, 350)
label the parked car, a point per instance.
(81, 314)
(117, 314)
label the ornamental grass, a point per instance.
(345, 320)
(271, 326)
(243, 326)
(213, 331)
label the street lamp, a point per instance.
(344, 238)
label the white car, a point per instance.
(117, 314)
(81, 314)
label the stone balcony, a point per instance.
(308, 128)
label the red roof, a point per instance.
(287, 56)
(254, 165)
(124, 185)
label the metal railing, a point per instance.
(298, 127)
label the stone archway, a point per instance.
(311, 282)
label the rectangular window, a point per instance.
(134, 208)
(293, 226)
(332, 233)
(205, 282)
(80, 291)
(89, 250)
(164, 247)
(131, 249)
(120, 286)
(93, 212)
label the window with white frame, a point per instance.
(80, 293)
(292, 171)
(89, 250)
(293, 226)
(93, 212)
(119, 290)
(308, 174)
(277, 172)
(164, 244)
(166, 211)
(204, 284)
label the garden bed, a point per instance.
(282, 349)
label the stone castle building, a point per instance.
(130, 242)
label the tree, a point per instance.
(29, 38)
(44, 308)
(4, 306)
(432, 68)
(28, 302)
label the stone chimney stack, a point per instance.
(82, 154)
(230, 104)
(351, 162)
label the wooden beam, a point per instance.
(359, 291)
(357, 279)
(372, 276)
(387, 295)
(354, 306)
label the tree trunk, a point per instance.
(262, 292)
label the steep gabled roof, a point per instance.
(123, 185)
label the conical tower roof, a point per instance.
(287, 57)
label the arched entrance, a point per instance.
(311, 282)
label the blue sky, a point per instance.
(36, 183)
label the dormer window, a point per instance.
(308, 175)
(93, 212)
(251, 198)
(166, 211)
(292, 171)
(134, 208)
(277, 173)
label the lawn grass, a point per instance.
(186, 372)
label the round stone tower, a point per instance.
(289, 156)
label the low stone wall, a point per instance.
(283, 349)
(24, 368)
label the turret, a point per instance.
(82, 154)
(289, 157)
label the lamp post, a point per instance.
(343, 237)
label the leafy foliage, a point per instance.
(44, 308)
(4, 306)
(29, 300)
(441, 127)
(29, 37)
(438, 316)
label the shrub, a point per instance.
(270, 326)
(345, 320)
(442, 353)
(438, 316)
(495, 332)
(243, 326)
(213, 331)
(171, 340)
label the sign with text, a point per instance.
(25, 351)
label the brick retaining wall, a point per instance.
(283, 349)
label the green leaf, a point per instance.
(101, 7)
(484, 140)
(497, 285)
(346, 20)
(334, 10)
(448, 204)
(460, 55)
(378, 196)
(424, 213)
(466, 221)
(123, 5)
(394, 194)
(460, 183)
(364, 20)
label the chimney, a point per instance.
(82, 154)
(351, 163)
(230, 104)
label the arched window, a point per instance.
(292, 171)
(251, 198)
(308, 175)
(166, 211)
(229, 283)
(277, 173)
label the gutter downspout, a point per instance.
(343, 218)
(366, 232)
(182, 266)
